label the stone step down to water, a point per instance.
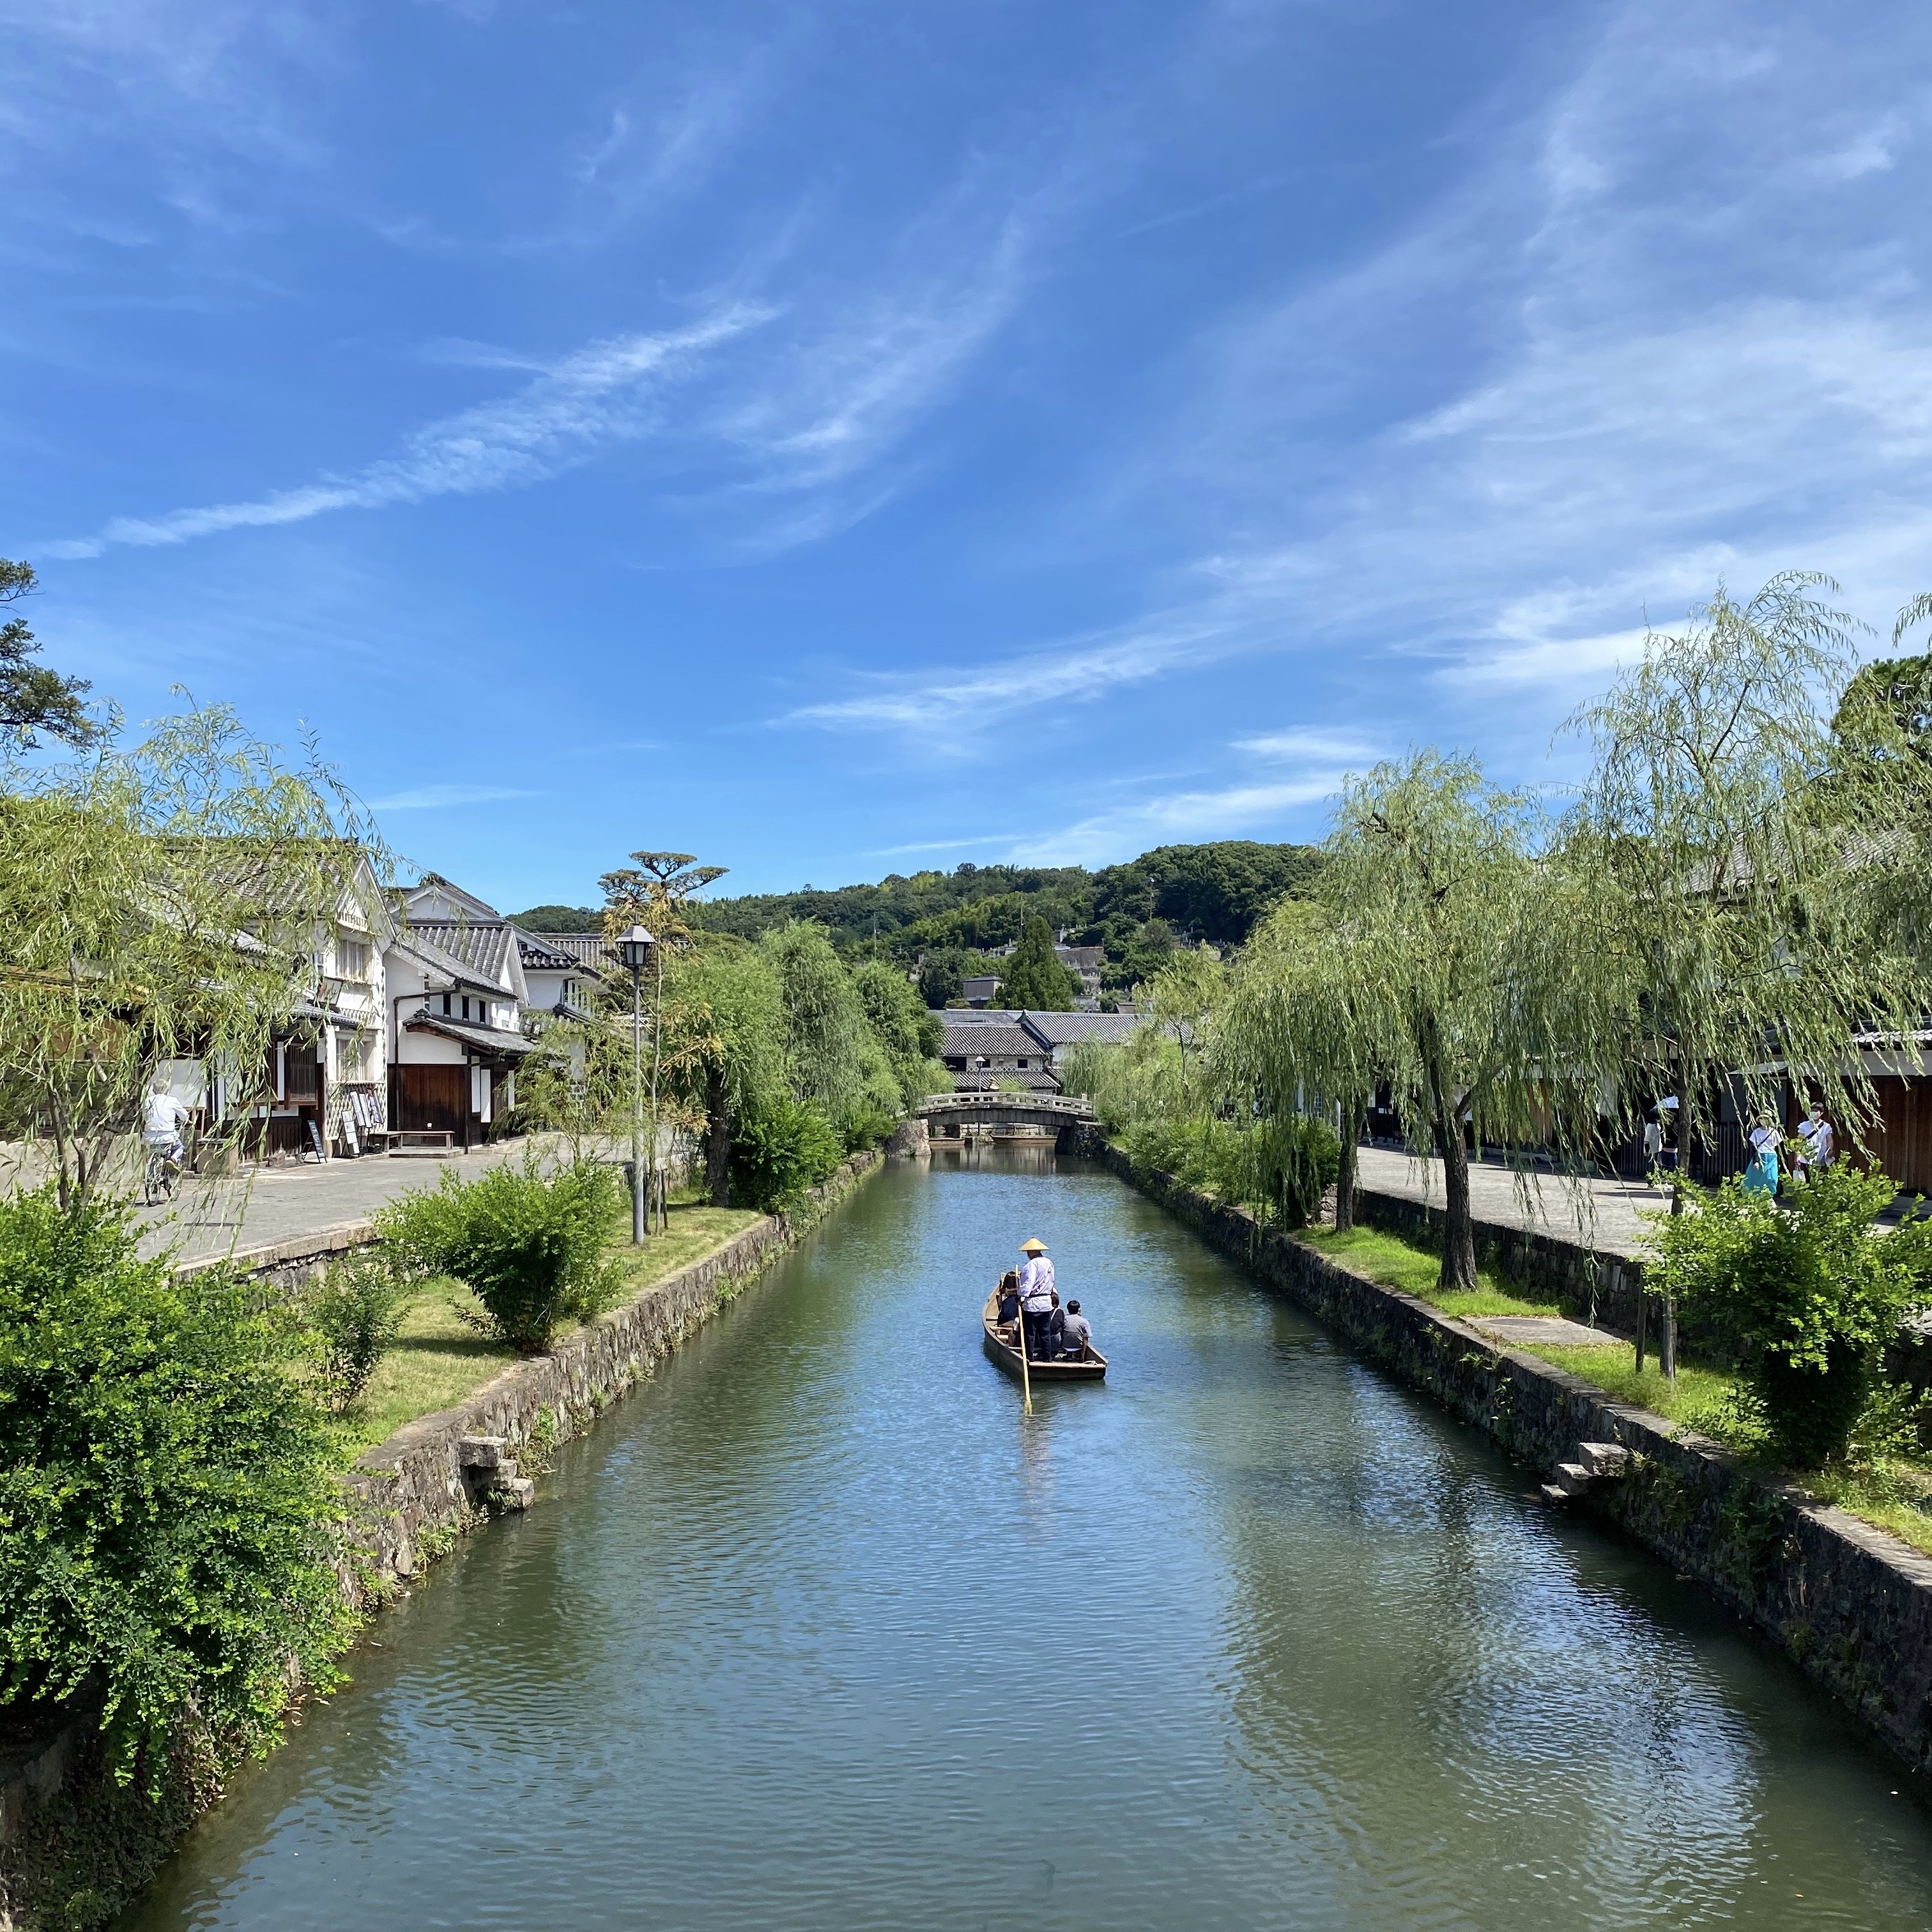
(1593, 1459)
(495, 1470)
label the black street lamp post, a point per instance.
(635, 947)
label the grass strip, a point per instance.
(438, 1360)
(1393, 1262)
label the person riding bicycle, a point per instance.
(161, 1126)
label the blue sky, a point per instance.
(841, 439)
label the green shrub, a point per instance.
(1805, 1290)
(167, 1492)
(356, 1310)
(782, 1153)
(1280, 1168)
(866, 1125)
(530, 1246)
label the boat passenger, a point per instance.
(1075, 1332)
(1009, 1297)
(1037, 1295)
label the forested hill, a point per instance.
(1174, 895)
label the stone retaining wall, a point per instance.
(1849, 1604)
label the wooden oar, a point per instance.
(1026, 1374)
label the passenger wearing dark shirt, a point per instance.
(1009, 1297)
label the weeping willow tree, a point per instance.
(1743, 869)
(158, 905)
(1432, 956)
(1294, 1030)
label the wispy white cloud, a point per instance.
(1176, 817)
(1299, 743)
(955, 705)
(846, 390)
(438, 797)
(603, 393)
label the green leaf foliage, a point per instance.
(34, 699)
(781, 1152)
(910, 1035)
(840, 1067)
(1033, 980)
(1174, 896)
(530, 1246)
(1805, 1289)
(355, 1309)
(168, 1500)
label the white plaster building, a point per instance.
(457, 994)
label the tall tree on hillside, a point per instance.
(1739, 863)
(34, 699)
(942, 976)
(1034, 980)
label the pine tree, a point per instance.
(1035, 981)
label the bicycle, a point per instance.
(160, 1174)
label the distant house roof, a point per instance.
(1010, 1041)
(538, 951)
(482, 945)
(471, 1033)
(1063, 1029)
(984, 1080)
(980, 1016)
(587, 949)
(433, 886)
(1083, 958)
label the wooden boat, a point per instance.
(1002, 1343)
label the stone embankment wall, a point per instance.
(1852, 1605)
(71, 1841)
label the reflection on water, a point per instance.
(824, 1631)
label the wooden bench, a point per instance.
(431, 1141)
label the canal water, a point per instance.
(821, 1631)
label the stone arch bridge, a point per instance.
(1059, 1117)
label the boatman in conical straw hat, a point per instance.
(1037, 1296)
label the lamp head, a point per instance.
(633, 948)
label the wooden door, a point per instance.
(432, 1099)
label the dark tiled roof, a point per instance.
(586, 949)
(979, 1015)
(483, 945)
(1063, 1029)
(1005, 1041)
(458, 969)
(538, 951)
(471, 1032)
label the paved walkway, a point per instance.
(1603, 1213)
(275, 1204)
